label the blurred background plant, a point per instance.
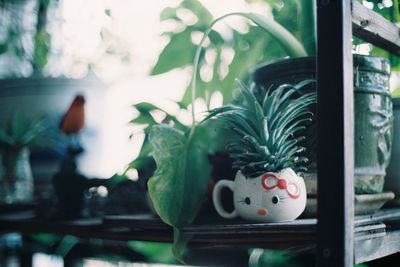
(230, 52)
(20, 132)
(25, 40)
(17, 136)
(34, 41)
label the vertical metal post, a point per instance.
(335, 134)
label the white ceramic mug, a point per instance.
(271, 197)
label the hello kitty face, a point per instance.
(272, 197)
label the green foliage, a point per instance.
(3, 48)
(19, 131)
(66, 244)
(178, 186)
(116, 180)
(23, 45)
(144, 163)
(46, 239)
(179, 183)
(249, 48)
(107, 12)
(146, 118)
(267, 132)
(154, 252)
(42, 49)
(61, 244)
(396, 92)
(282, 258)
(182, 49)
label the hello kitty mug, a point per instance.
(271, 197)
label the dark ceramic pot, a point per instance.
(373, 114)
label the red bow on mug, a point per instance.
(269, 181)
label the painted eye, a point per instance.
(275, 200)
(247, 201)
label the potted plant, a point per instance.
(176, 196)
(266, 153)
(16, 138)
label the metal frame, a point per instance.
(335, 127)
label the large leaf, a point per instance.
(180, 182)
(176, 54)
(196, 7)
(169, 13)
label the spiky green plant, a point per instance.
(19, 132)
(267, 133)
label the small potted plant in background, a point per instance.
(16, 138)
(266, 154)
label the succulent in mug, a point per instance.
(266, 153)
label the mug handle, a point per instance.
(217, 199)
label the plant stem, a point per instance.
(395, 11)
(288, 42)
(395, 17)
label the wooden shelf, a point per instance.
(375, 29)
(376, 235)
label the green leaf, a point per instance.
(216, 38)
(143, 119)
(66, 244)
(180, 244)
(240, 65)
(176, 54)
(396, 92)
(42, 49)
(145, 107)
(179, 184)
(204, 16)
(116, 180)
(46, 239)
(154, 252)
(107, 12)
(279, 33)
(3, 48)
(168, 13)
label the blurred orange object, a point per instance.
(74, 119)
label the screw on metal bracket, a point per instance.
(326, 252)
(325, 2)
(364, 23)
